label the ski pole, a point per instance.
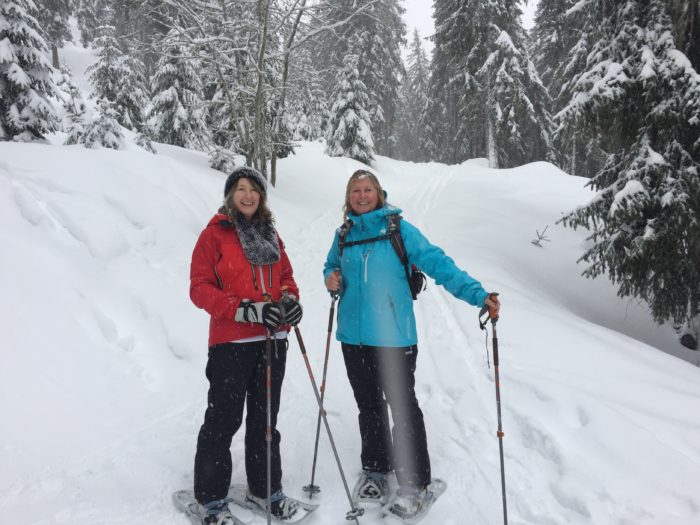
(355, 512)
(268, 431)
(499, 433)
(311, 488)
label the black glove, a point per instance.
(268, 314)
(291, 310)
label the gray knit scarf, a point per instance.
(259, 240)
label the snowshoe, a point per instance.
(220, 518)
(283, 508)
(185, 502)
(218, 513)
(372, 487)
(409, 507)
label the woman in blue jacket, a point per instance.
(377, 329)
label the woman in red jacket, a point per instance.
(241, 275)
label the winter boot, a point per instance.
(372, 487)
(281, 507)
(217, 513)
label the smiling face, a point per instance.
(246, 197)
(363, 196)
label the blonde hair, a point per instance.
(262, 214)
(358, 175)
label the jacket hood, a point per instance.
(217, 218)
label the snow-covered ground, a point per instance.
(102, 386)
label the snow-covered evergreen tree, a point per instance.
(374, 31)
(26, 83)
(516, 104)
(132, 95)
(349, 129)
(414, 101)
(444, 138)
(143, 138)
(103, 130)
(380, 33)
(90, 15)
(53, 19)
(308, 109)
(119, 78)
(553, 36)
(76, 115)
(105, 74)
(307, 99)
(486, 96)
(641, 95)
(561, 46)
(178, 114)
(222, 159)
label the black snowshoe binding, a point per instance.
(372, 487)
(281, 507)
(218, 513)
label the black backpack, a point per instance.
(416, 278)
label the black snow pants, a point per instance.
(381, 375)
(237, 374)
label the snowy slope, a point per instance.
(102, 385)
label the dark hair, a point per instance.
(262, 214)
(362, 174)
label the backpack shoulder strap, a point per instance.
(343, 231)
(397, 243)
(394, 222)
(400, 249)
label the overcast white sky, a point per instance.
(419, 14)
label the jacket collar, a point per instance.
(374, 216)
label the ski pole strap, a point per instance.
(484, 317)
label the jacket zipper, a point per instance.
(262, 280)
(255, 277)
(216, 272)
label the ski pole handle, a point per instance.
(486, 313)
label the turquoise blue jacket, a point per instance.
(375, 306)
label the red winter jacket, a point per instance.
(221, 276)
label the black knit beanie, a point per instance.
(247, 173)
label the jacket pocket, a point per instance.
(394, 313)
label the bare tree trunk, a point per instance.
(260, 157)
(493, 149)
(574, 150)
(54, 57)
(279, 112)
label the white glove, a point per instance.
(267, 314)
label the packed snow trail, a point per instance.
(102, 387)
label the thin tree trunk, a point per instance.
(493, 149)
(574, 149)
(279, 113)
(54, 57)
(260, 156)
